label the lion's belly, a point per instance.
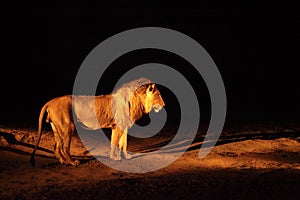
(91, 114)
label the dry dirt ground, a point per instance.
(245, 164)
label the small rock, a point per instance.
(3, 141)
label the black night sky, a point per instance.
(255, 47)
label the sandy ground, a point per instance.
(256, 164)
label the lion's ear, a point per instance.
(151, 88)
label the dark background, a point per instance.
(255, 47)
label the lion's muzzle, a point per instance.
(157, 107)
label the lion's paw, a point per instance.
(115, 157)
(76, 163)
(127, 156)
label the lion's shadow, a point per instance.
(178, 146)
(181, 146)
(11, 144)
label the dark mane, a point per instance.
(129, 88)
(126, 106)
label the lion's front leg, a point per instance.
(123, 145)
(115, 151)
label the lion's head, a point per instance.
(150, 97)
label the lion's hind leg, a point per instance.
(62, 145)
(67, 134)
(57, 145)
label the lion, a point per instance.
(117, 111)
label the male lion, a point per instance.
(117, 111)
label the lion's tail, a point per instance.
(32, 161)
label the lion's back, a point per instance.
(63, 102)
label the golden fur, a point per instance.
(117, 111)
